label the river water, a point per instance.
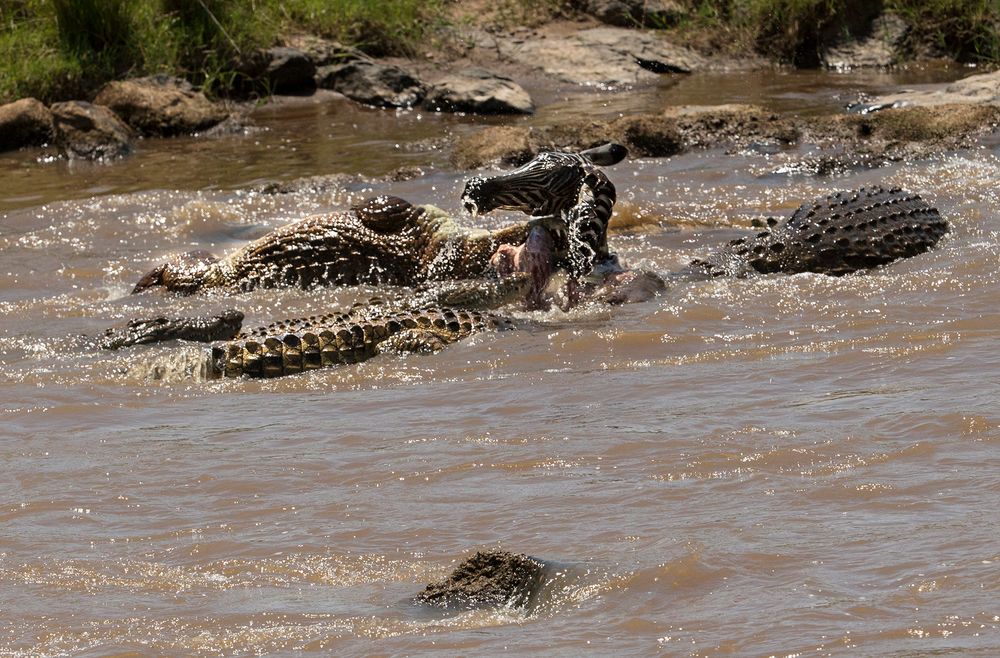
(788, 466)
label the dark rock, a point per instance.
(372, 83)
(235, 124)
(26, 122)
(877, 48)
(90, 132)
(161, 106)
(488, 579)
(817, 27)
(284, 70)
(634, 13)
(478, 91)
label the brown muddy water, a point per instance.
(787, 466)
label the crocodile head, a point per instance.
(223, 326)
(183, 274)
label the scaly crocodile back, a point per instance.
(843, 233)
(327, 249)
(294, 346)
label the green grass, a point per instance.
(968, 30)
(57, 49)
(60, 49)
(795, 31)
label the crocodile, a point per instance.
(385, 240)
(224, 326)
(836, 235)
(388, 240)
(842, 233)
(435, 316)
(304, 344)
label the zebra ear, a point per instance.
(605, 155)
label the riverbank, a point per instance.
(56, 50)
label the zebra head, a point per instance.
(549, 184)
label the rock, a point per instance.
(504, 145)
(161, 106)
(90, 132)
(235, 124)
(733, 124)
(488, 579)
(645, 135)
(648, 136)
(478, 91)
(372, 83)
(876, 50)
(26, 122)
(284, 70)
(324, 52)
(833, 164)
(602, 56)
(634, 13)
(982, 88)
(942, 125)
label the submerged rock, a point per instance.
(506, 145)
(161, 106)
(372, 83)
(478, 91)
(90, 132)
(488, 579)
(26, 122)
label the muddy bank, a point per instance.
(888, 135)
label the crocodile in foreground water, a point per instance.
(434, 318)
